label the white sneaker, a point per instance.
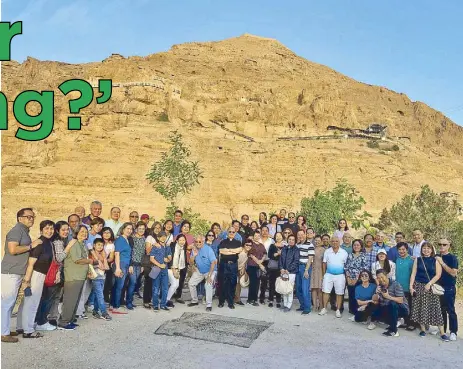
(352, 318)
(45, 327)
(371, 326)
(322, 312)
(338, 314)
(400, 322)
(453, 337)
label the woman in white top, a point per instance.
(273, 226)
(179, 266)
(168, 227)
(382, 262)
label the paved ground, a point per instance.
(292, 341)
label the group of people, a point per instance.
(90, 264)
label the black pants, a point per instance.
(181, 282)
(408, 320)
(148, 286)
(263, 283)
(108, 285)
(272, 277)
(353, 306)
(447, 303)
(228, 275)
(253, 272)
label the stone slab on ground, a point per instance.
(215, 328)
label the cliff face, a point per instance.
(253, 86)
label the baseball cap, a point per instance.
(144, 216)
(382, 251)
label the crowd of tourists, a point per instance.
(88, 265)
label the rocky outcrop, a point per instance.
(253, 87)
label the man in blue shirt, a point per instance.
(203, 257)
(448, 280)
(159, 257)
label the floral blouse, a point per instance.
(354, 265)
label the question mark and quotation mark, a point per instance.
(44, 121)
(86, 97)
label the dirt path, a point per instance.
(292, 341)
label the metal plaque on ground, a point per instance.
(215, 328)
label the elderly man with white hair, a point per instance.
(203, 257)
(95, 212)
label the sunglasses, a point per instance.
(443, 244)
(292, 217)
(134, 216)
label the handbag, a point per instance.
(272, 264)
(155, 270)
(91, 272)
(54, 273)
(436, 289)
(284, 286)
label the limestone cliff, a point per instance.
(250, 85)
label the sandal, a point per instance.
(32, 335)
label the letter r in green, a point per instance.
(7, 32)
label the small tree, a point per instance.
(325, 208)
(427, 211)
(175, 174)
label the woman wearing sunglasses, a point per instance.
(364, 295)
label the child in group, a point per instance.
(99, 309)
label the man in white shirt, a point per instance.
(333, 275)
(114, 223)
(419, 240)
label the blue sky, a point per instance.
(414, 46)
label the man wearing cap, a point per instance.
(114, 223)
(204, 258)
(145, 218)
(229, 249)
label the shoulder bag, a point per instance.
(54, 273)
(436, 289)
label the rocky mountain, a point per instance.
(232, 100)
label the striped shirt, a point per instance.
(305, 250)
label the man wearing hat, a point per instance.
(145, 218)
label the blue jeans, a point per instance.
(97, 290)
(303, 293)
(389, 314)
(353, 305)
(118, 286)
(447, 303)
(132, 284)
(161, 283)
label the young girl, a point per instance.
(99, 309)
(382, 262)
(179, 265)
